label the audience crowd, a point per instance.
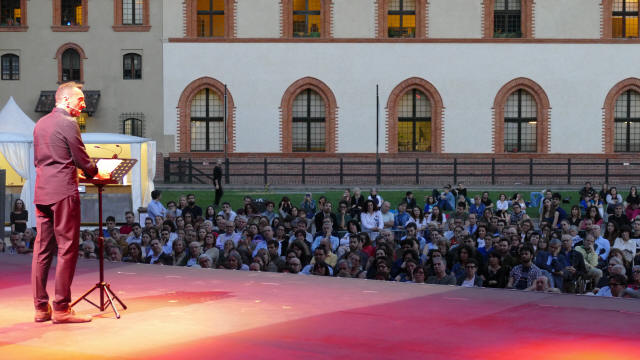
(448, 238)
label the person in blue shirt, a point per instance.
(402, 216)
(155, 207)
(447, 201)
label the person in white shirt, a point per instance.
(226, 211)
(229, 234)
(371, 219)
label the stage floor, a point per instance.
(179, 313)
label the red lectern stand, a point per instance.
(110, 171)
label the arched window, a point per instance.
(309, 122)
(521, 118)
(520, 122)
(10, 67)
(201, 117)
(625, 19)
(414, 122)
(627, 122)
(71, 65)
(414, 117)
(308, 128)
(131, 66)
(207, 121)
(132, 123)
(70, 57)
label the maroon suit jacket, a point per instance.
(58, 152)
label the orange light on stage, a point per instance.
(552, 348)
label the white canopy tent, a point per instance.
(142, 149)
(16, 145)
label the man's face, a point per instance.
(327, 207)
(156, 246)
(459, 209)
(327, 227)
(385, 207)
(402, 208)
(226, 208)
(165, 235)
(472, 219)
(74, 102)
(566, 243)
(503, 246)
(319, 255)
(525, 256)
(267, 233)
(618, 210)
(294, 265)
(14, 239)
(273, 250)
(148, 222)
(191, 200)
(111, 224)
(129, 218)
(470, 269)
(438, 267)
(195, 249)
(353, 243)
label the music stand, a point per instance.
(116, 169)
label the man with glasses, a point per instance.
(229, 234)
(470, 279)
(616, 288)
(294, 265)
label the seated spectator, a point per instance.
(388, 218)
(294, 265)
(342, 217)
(524, 275)
(14, 238)
(195, 250)
(355, 266)
(382, 270)
(497, 276)
(588, 251)
(419, 275)
(29, 237)
(371, 219)
(625, 244)
(321, 269)
(134, 254)
(613, 199)
(308, 205)
(440, 276)
(470, 278)
(115, 254)
(205, 261)
(343, 269)
(234, 262)
(129, 217)
(179, 252)
(542, 285)
(327, 228)
(157, 255)
(88, 250)
(301, 225)
(617, 285)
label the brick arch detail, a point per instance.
(326, 19)
(437, 110)
(609, 107)
(331, 111)
(184, 112)
(382, 8)
(527, 18)
(58, 57)
(542, 113)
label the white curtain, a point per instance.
(151, 167)
(20, 157)
(136, 193)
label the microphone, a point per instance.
(114, 156)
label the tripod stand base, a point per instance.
(105, 291)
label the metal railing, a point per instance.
(188, 171)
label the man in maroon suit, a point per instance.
(58, 152)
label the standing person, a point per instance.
(58, 149)
(19, 216)
(217, 182)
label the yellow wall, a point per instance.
(13, 179)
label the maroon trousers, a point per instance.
(57, 223)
